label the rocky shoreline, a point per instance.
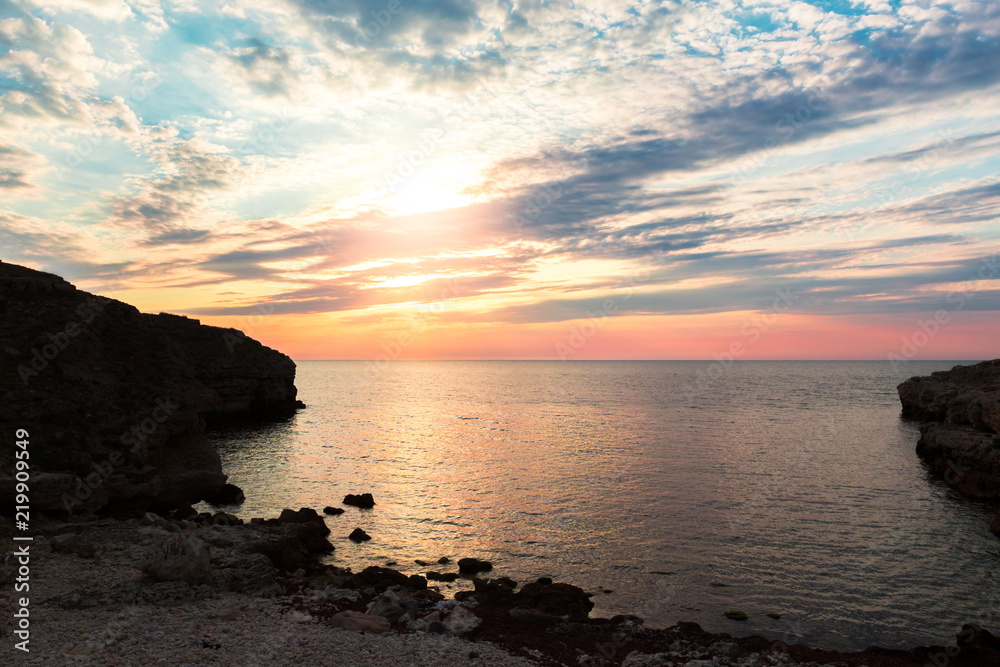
(215, 577)
(959, 411)
(124, 571)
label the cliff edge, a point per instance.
(960, 433)
(114, 402)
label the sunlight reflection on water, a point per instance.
(788, 487)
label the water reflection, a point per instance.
(789, 488)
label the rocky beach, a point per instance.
(125, 571)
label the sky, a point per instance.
(444, 179)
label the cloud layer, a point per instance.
(370, 166)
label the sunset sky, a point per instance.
(351, 179)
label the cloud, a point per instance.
(192, 172)
(19, 170)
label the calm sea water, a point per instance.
(786, 487)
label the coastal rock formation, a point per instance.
(114, 402)
(960, 437)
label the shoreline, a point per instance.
(262, 575)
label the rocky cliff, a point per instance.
(115, 401)
(960, 436)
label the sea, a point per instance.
(672, 490)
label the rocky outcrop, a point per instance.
(114, 402)
(960, 437)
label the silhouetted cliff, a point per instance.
(115, 401)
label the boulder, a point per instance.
(72, 544)
(359, 535)
(287, 543)
(333, 511)
(178, 558)
(438, 576)
(378, 578)
(362, 500)
(355, 621)
(534, 617)
(474, 566)
(995, 526)
(304, 515)
(229, 494)
(562, 600)
(389, 606)
(184, 511)
(461, 621)
(489, 590)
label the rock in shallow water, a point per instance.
(361, 500)
(359, 535)
(229, 494)
(555, 599)
(474, 566)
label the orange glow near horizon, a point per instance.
(720, 336)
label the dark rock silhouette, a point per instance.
(115, 401)
(474, 566)
(960, 436)
(359, 535)
(559, 600)
(362, 500)
(229, 494)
